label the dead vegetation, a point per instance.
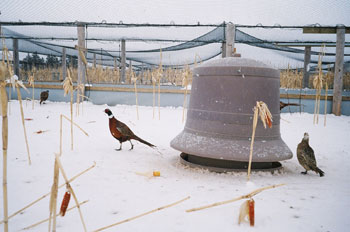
(105, 75)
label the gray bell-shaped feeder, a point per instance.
(218, 127)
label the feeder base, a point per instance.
(221, 166)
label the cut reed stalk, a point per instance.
(134, 80)
(154, 80)
(23, 123)
(4, 151)
(31, 83)
(57, 214)
(247, 196)
(263, 111)
(318, 86)
(68, 88)
(70, 190)
(53, 198)
(326, 97)
(143, 214)
(255, 122)
(185, 84)
(47, 194)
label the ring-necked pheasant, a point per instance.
(122, 132)
(306, 156)
(282, 104)
(44, 96)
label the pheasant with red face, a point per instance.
(122, 132)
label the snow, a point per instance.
(116, 190)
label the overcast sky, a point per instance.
(252, 12)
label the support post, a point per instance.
(307, 58)
(81, 44)
(94, 64)
(64, 63)
(16, 57)
(123, 61)
(223, 49)
(115, 63)
(338, 73)
(230, 39)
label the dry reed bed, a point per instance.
(288, 79)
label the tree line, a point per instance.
(51, 61)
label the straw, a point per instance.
(68, 88)
(70, 190)
(262, 110)
(247, 196)
(47, 194)
(57, 214)
(143, 214)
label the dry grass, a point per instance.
(293, 79)
(110, 75)
(289, 79)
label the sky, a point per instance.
(252, 12)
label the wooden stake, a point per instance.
(143, 214)
(70, 190)
(247, 196)
(57, 214)
(24, 126)
(47, 194)
(4, 151)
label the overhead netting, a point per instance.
(148, 45)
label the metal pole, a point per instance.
(64, 64)
(16, 57)
(338, 73)
(307, 58)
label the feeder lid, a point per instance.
(235, 66)
(235, 61)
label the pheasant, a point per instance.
(122, 132)
(306, 156)
(282, 104)
(43, 96)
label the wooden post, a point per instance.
(123, 61)
(230, 39)
(81, 66)
(16, 57)
(64, 63)
(307, 58)
(338, 73)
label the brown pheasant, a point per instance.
(44, 95)
(306, 156)
(122, 132)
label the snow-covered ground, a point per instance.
(116, 190)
